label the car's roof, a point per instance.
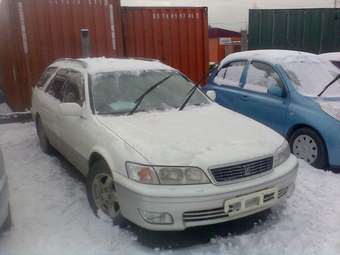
(332, 56)
(271, 56)
(102, 65)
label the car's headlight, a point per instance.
(166, 175)
(141, 173)
(281, 154)
(331, 108)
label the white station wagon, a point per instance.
(156, 150)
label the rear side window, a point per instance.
(231, 74)
(74, 90)
(261, 77)
(46, 76)
(56, 87)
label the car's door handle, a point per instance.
(244, 98)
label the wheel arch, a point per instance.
(99, 154)
(300, 126)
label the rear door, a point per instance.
(257, 103)
(226, 83)
(49, 109)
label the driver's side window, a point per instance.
(231, 74)
(74, 88)
(261, 77)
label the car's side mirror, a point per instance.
(70, 109)
(275, 90)
(211, 94)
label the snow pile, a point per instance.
(51, 214)
(4, 109)
(332, 56)
(102, 65)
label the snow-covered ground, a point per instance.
(51, 214)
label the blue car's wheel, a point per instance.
(306, 144)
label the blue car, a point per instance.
(295, 93)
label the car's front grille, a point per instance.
(243, 170)
(203, 215)
(219, 213)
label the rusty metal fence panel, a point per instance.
(177, 36)
(44, 30)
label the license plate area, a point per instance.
(250, 202)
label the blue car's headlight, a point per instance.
(331, 108)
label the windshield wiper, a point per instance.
(139, 100)
(329, 84)
(192, 91)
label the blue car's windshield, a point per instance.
(311, 74)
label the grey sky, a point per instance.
(233, 14)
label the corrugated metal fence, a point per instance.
(40, 31)
(311, 30)
(36, 32)
(176, 36)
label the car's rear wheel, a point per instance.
(306, 144)
(101, 192)
(43, 140)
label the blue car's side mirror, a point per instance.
(275, 90)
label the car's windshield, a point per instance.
(117, 92)
(311, 74)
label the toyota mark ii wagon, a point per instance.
(154, 149)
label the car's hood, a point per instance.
(198, 136)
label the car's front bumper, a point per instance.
(4, 201)
(199, 205)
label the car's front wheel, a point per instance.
(306, 144)
(101, 192)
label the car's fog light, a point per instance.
(162, 218)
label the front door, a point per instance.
(74, 129)
(258, 104)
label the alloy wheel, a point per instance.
(105, 195)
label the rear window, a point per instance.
(46, 76)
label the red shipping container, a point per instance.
(33, 33)
(177, 36)
(218, 50)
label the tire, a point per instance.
(45, 145)
(306, 144)
(103, 198)
(8, 222)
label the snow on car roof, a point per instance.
(102, 65)
(272, 56)
(332, 56)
